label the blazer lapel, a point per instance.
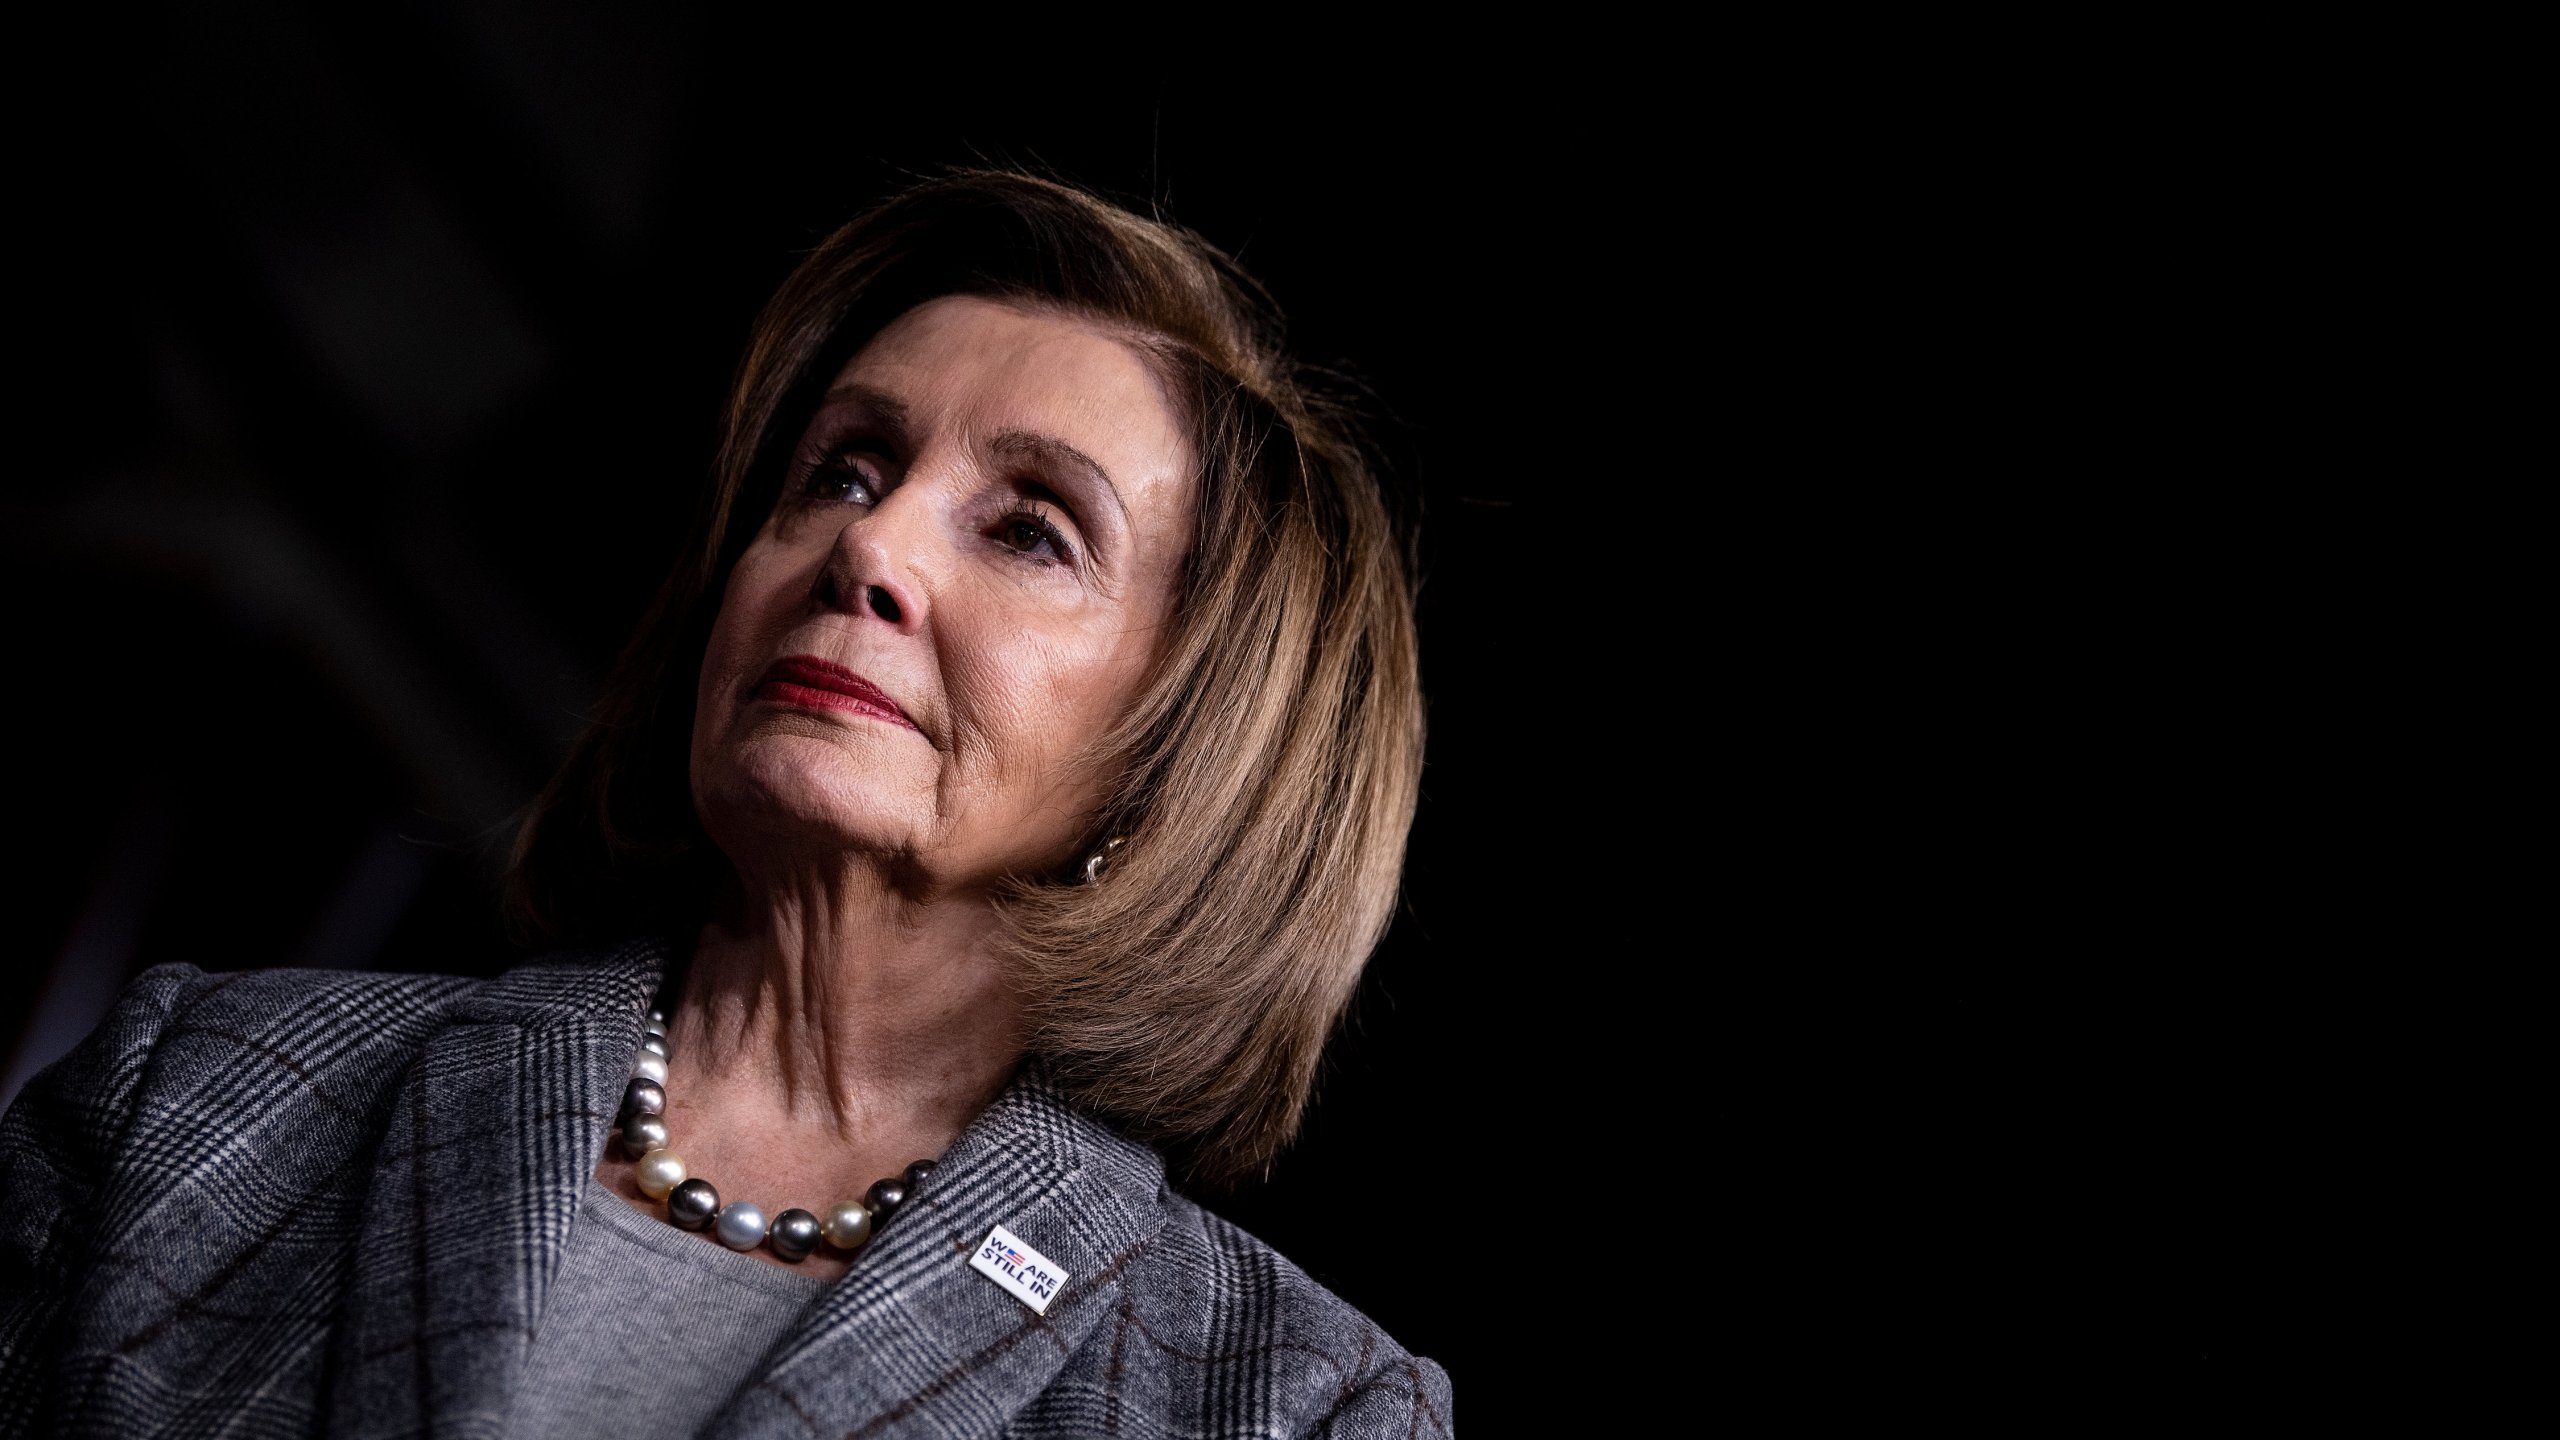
(913, 1341)
(492, 1137)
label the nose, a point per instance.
(874, 567)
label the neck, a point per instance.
(849, 1010)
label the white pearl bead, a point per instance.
(646, 1066)
(848, 1225)
(659, 1172)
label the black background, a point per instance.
(380, 361)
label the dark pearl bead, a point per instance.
(692, 1204)
(644, 1097)
(655, 1045)
(884, 1199)
(642, 1134)
(916, 1174)
(794, 1234)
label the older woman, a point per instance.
(995, 810)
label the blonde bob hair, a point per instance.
(1265, 775)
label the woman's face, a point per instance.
(962, 586)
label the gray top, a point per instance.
(647, 1330)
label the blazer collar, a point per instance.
(491, 1137)
(491, 1140)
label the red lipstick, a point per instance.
(815, 684)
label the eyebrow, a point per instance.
(886, 408)
(1052, 451)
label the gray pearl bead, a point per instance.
(658, 1017)
(741, 1226)
(642, 1134)
(691, 1205)
(655, 1045)
(795, 1234)
(644, 1097)
(654, 1027)
(649, 1067)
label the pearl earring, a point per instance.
(1100, 859)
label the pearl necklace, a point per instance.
(692, 1202)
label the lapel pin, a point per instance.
(1019, 1268)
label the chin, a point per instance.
(800, 791)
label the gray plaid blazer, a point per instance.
(292, 1202)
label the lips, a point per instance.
(815, 684)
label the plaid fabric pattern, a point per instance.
(288, 1202)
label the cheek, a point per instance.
(1036, 694)
(756, 587)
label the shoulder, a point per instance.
(1211, 1297)
(292, 1017)
(184, 1063)
(176, 1032)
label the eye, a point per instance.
(1026, 531)
(841, 477)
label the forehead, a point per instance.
(967, 363)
